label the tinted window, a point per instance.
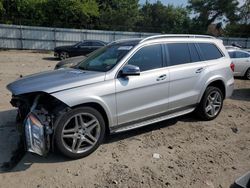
(178, 53)
(97, 44)
(194, 53)
(231, 54)
(84, 44)
(210, 51)
(147, 58)
(241, 54)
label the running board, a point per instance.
(151, 121)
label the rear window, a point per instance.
(210, 51)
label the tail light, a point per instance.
(232, 66)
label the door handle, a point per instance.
(162, 77)
(199, 70)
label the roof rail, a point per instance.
(124, 40)
(177, 35)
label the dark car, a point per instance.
(80, 48)
(70, 62)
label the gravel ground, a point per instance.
(191, 153)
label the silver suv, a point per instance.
(124, 85)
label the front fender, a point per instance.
(102, 94)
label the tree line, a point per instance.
(218, 17)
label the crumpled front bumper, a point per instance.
(35, 135)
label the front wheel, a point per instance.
(79, 132)
(210, 104)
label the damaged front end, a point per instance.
(37, 129)
(36, 113)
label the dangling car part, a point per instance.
(35, 135)
(37, 130)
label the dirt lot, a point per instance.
(192, 153)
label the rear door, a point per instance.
(144, 96)
(186, 72)
(241, 61)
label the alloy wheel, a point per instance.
(81, 133)
(213, 104)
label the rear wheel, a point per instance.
(248, 74)
(210, 104)
(63, 55)
(79, 132)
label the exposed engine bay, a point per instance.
(37, 113)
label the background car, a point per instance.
(80, 48)
(241, 60)
(232, 47)
(70, 62)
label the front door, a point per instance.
(144, 96)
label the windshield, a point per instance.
(105, 58)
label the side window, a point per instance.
(97, 44)
(210, 51)
(178, 53)
(84, 44)
(239, 54)
(194, 53)
(147, 58)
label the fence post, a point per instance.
(86, 35)
(54, 36)
(82, 35)
(21, 36)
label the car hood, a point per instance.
(53, 81)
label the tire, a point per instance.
(78, 140)
(247, 75)
(63, 55)
(209, 104)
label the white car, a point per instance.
(241, 60)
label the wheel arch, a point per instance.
(100, 109)
(245, 74)
(217, 82)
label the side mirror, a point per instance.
(130, 70)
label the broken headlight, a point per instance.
(35, 135)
